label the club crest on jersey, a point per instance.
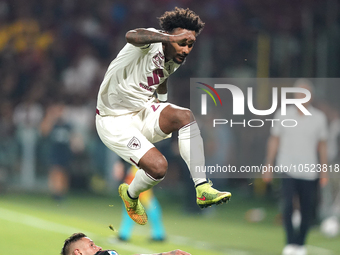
(134, 144)
(158, 59)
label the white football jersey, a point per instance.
(132, 78)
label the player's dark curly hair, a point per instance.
(182, 18)
(72, 239)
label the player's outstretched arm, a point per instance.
(175, 252)
(142, 36)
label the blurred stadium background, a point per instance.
(56, 52)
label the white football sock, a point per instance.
(142, 182)
(191, 135)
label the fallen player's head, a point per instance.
(79, 243)
(181, 18)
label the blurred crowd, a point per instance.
(54, 53)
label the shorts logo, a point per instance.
(134, 144)
(154, 108)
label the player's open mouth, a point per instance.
(181, 58)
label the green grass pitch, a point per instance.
(36, 225)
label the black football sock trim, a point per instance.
(201, 184)
(130, 196)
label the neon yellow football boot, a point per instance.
(133, 207)
(208, 196)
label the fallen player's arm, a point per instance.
(142, 36)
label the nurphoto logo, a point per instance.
(240, 101)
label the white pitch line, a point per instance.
(319, 250)
(36, 222)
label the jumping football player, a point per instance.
(130, 119)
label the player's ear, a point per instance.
(76, 252)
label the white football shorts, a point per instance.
(130, 136)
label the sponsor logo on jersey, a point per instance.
(134, 144)
(158, 59)
(146, 87)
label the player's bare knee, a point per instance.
(185, 116)
(180, 118)
(160, 167)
